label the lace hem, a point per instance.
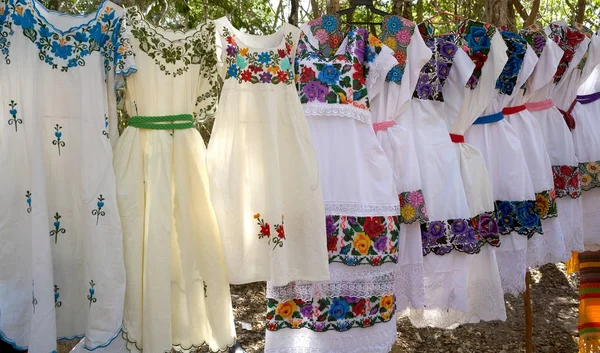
(176, 347)
(410, 287)
(512, 266)
(589, 175)
(361, 209)
(296, 341)
(306, 291)
(341, 110)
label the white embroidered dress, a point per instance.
(177, 290)
(263, 170)
(61, 258)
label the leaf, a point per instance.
(345, 82)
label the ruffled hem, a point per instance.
(177, 347)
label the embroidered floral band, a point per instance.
(327, 314)
(541, 105)
(517, 46)
(566, 181)
(412, 207)
(518, 216)
(589, 177)
(468, 236)
(476, 39)
(545, 204)
(362, 240)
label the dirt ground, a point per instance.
(555, 304)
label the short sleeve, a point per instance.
(379, 60)
(460, 73)
(123, 58)
(546, 66)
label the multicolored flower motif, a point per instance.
(328, 32)
(271, 66)
(434, 74)
(468, 236)
(396, 33)
(330, 313)
(545, 204)
(265, 231)
(569, 40)
(337, 79)
(588, 33)
(517, 46)
(566, 181)
(362, 240)
(65, 50)
(518, 216)
(589, 175)
(476, 39)
(412, 207)
(536, 37)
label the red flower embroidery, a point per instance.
(568, 55)
(255, 68)
(574, 37)
(341, 57)
(281, 53)
(272, 326)
(270, 316)
(373, 226)
(332, 244)
(366, 322)
(479, 59)
(265, 230)
(282, 76)
(358, 74)
(246, 75)
(574, 181)
(376, 261)
(566, 170)
(230, 40)
(360, 307)
(307, 74)
(280, 232)
(559, 182)
(335, 40)
(288, 48)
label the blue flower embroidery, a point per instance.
(108, 17)
(28, 200)
(58, 134)
(80, 37)
(477, 39)
(98, 35)
(99, 212)
(232, 71)
(22, 18)
(339, 309)
(62, 50)
(45, 32)
(57, 303)
(394, 24)
(330, 23)
(395, 74)
(329, 75)
(72, 63)
(13, 113)
(91, 296)
(57, 228)
(264, 58)
(105, 131)
(369, 54)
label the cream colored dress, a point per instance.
(177, 292)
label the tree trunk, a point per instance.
(293, 19)
(54, 5)
(397, 7)
(333, 6)
(498, 12)
(314, 4)
(407, 10)
(580, 11)
(419, 11)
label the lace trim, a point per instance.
(589, 177)
(380, 341)
(361, 209)
(348, 111)
(512, 266)
(410, 287)
(177, 347)
(377, 69)
(306, 291)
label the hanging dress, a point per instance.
(586, 137)
(557, 137)
(61, 256)
(354, 312)
(482, 291)
(543, 56)
(504, 156)
(177, 290)
(398, 143)
(263, 171)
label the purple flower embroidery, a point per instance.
(381, 244)
(265, 77)
(487, 226)
(352, 220)
(306, 310)
(459, 226)
(424, 90)
(319, 326)
(313, 90)
(538, 43)
(448, 49)
(467, 241)
(437, 229)
(330, 225)
(443, 70)
(231, 50)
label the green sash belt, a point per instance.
(165, 122)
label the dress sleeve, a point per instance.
(546, 66)
(379, 60)
(209, 83)
(454, 87)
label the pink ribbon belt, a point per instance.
(383, 125)
(541, 105)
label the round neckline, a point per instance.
(240, 35)
(157, 29)
(38, 7)
(348, 35)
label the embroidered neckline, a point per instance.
(536, 38)
(38, 7)
(588, 33)
(516, 48)
(436, 71)
(396, 33)
(475, 38)
(328, 31)
(568, 39)
(193, 49)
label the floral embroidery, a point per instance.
(536, 37)
(412, 207)
(396, 33)
(517, 46)
(589, 175)
(13, 112)
(34, 300)
(58, 134)
(57, 228)
(105, 131)
(545, 204)
(28, 200)
(57, 303)
(476, 39)
(566, 181)
(518, 216)
(265, 231)
(91, 296)
(568, 39)
(362, 240)
(434, 74)
(68, 50)
(328, 32)
(468, 236)
(99, 212)
(272, 66)
(330, 313)
(340, 79)
(5, 31)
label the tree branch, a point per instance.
(314, 4)
(520, 9)
(580, 11)
(535, 8)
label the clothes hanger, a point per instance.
(369, 5)
(440, 12)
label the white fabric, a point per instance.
(33, 265)
(261, 161)
(177, 289)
